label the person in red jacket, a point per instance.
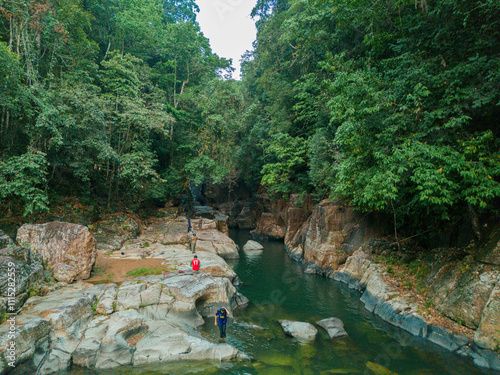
(195, 264)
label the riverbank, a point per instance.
(381, 295)
(122, 320)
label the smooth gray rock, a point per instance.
(129, 295)
(106, 300)
(115, 351)
(446, 339)
(252, 246)
(55, 362)
(171, 341)
(334, 327)
(300, 330)
(32, 335)
(85, 354)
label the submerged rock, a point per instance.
(378, 369)
(299, 330)
(334, 327)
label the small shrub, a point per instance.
(144, 271)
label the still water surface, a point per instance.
(278, 289)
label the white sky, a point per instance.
(228, 25)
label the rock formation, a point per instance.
(333, 326)
(300, 330)
(360, 272)
(330, 235)
(148, 320)
(68, 248)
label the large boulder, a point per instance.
(62, 243)
(300, 330)
(114, 230)
(214, 241)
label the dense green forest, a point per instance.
(114, 101)
(390, 105)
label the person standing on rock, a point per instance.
(195, 264)
(200, 224)
(221, 320)
(189, 225)
(192, 240)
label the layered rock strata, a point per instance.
(360, 272)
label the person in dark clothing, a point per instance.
(189, 225)
(221, 320)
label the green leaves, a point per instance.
(23, 179)
(285, 155)
(398, 116)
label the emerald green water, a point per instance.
(278, 289)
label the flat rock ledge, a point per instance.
(378, 297)
(299, 330)
(146, 320)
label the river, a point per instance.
(278, 288)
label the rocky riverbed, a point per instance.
(142, 320)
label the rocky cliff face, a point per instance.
(330, 235)
(280, 219)
(463, 284)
